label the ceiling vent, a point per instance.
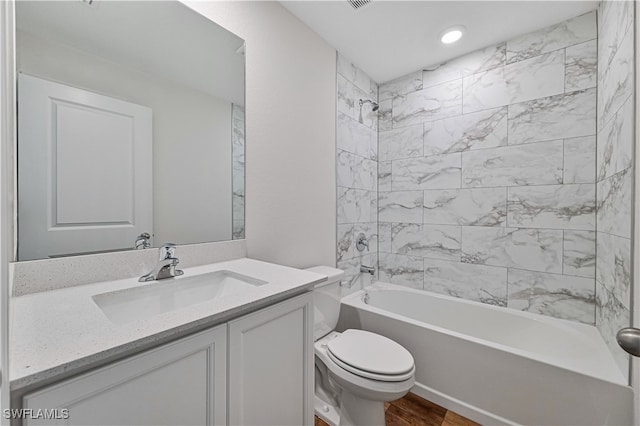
(357, 4)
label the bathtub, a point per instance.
(496, 365)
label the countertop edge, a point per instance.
(84, 364)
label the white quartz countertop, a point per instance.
(59, 332)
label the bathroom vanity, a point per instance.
(241, 354)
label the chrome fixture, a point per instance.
(362, 242)
(629, 339)
(374, 105)
(368, 269)
(143, 241)
(166, 267)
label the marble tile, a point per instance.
(400, 206)
(559, 296)
(433, 241)
(533, 78)
(352, 277)
(611, 316)
(481, 206)
(463, 66)
(579, 254)
(484, 129)
(559, 36)
(238, 230)
(370, 231)
(486, 284)
(531, 249)
(384, 237)
(614, 204)
(354, 205)
(555, 117)
(615, 18)
(356, 138)
(433, 103)
(579, 160)
(613, 266)
(402, 270)
(348, 103)
(238, 207)
(581, 66)
(404, 142)
(401, 86)
(384, 176)
(530, 164)
(357, 172)
(615, 143)
(373, 213)
(345, 244)
(357, 76)
(435, 172)
(616, 81)
(385, 115)
(552, 206)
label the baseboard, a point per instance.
(459, 407)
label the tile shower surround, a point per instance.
(614, 172)
(487, 174)
(357, 169)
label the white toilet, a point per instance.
(356, 371)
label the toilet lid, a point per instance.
(370, 352)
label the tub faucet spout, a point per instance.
(368, 269)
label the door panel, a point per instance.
(84, 170)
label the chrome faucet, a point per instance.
(166, 267)
(368, 269)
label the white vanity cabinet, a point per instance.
(254, 370)
(271, 361)
(180, 383)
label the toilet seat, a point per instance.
(371, 356)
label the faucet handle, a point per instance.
(167, 251)
(362, 242)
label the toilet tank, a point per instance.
(326, 301)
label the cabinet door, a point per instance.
(271, 365)
(181, 383)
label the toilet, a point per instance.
(356, 371)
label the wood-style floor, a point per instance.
(415, 411)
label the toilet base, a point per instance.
(329, 413)
(355, 411)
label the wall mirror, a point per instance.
(130, 127)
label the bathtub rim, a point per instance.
(355, 300)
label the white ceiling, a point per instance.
(388, 39)
(163, 38)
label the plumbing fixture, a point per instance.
(362, 242)
(166, 267)
(143, 241)
(374, 105)
(368, 269)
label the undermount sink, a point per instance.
(171, 294)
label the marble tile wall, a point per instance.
(357, 172)
(614, 172)
(487, 174)
(238, 170)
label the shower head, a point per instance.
(374, 105)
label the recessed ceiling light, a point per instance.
(451, 35)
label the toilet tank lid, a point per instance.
(333, 274)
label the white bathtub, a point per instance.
(496, 365)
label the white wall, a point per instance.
(290, 134)
(191, 133)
